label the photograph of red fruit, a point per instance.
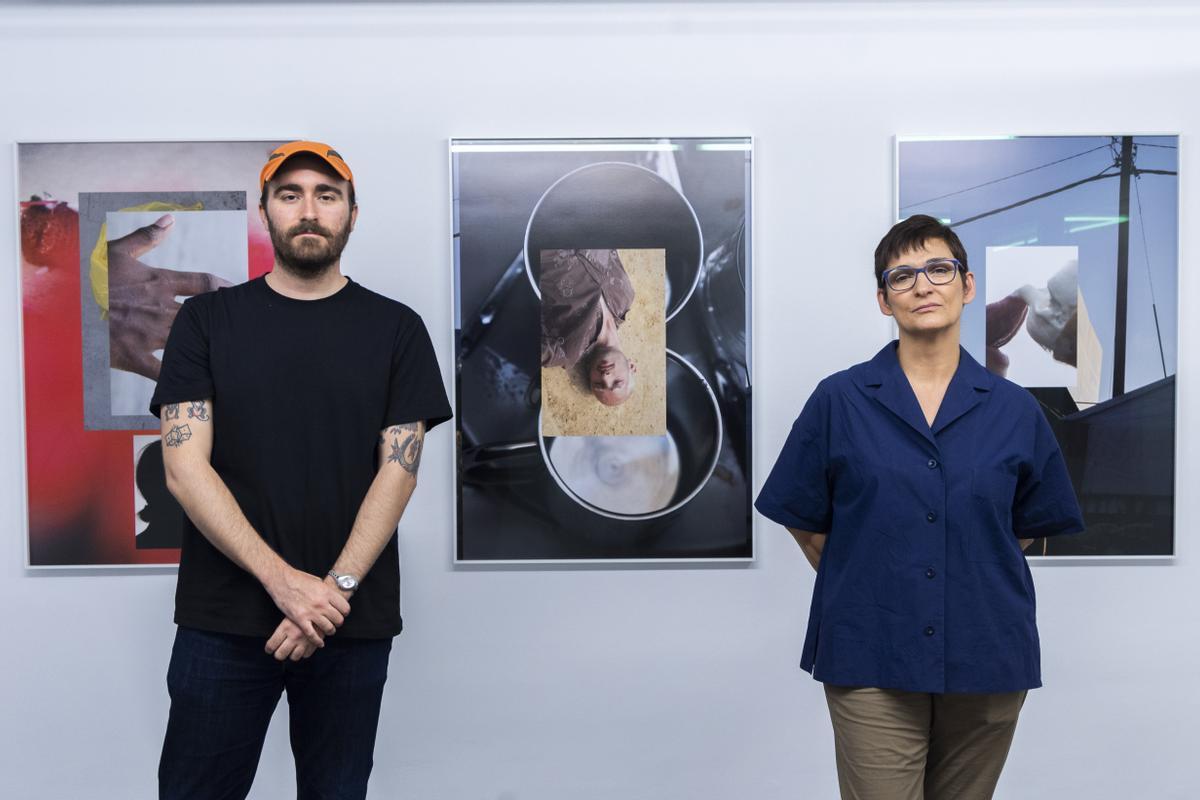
(84, 331)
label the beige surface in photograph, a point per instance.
(1089, 356)
(570, 409)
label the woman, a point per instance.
(913, 482)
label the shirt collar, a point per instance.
(968, 388)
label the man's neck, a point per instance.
(608, 328)
(306, 287)
(929, 359)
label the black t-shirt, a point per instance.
(301, 390)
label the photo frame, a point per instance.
(1100, 214)
(523, 497)
(82, 328)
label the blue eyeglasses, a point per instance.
(939, 271)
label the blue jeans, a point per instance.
(224, 689)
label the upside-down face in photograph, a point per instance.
(603, 343)
(1074, 244)
(603, 388)
(114, 237)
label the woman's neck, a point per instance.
(930, 359)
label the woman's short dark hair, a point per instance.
(912, 234)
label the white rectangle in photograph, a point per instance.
(1042, 286)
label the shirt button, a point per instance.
(929, 631)
(932, 463)
(931, 517)
(931, 572)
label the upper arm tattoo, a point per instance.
(407, 440)
(197, 411)
(177, 435)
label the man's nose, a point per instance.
(308, 207)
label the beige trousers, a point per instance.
(894, 745)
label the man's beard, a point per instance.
(308, 257)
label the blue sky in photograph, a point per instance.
(960, 179)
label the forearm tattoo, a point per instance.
(197, 411)
(177, 435)
(407, 442)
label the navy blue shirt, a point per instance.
(922, 584)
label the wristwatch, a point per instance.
(347, 583)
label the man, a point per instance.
(586, 295)
(294, 409)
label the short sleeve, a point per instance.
(415, 391)
(797, 492)
(1045, 503)
(185, 373)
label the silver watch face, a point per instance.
(347, 582)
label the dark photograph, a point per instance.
(602, 377)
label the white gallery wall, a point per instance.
(599, 684)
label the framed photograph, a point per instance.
(1074, 243)
(113, 237)
(602, 321)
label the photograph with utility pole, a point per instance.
(1074, 244)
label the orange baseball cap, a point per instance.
(285, 151)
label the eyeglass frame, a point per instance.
(917, 271)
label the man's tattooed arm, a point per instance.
(198, 410)
(381, 509)
(175, 434)
(405, 443)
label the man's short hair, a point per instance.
(912, 234)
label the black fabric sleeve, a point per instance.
(416, 391)
(185, 373)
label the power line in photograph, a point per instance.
(1149, 273)
(1005, 177)
(1124, 152)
